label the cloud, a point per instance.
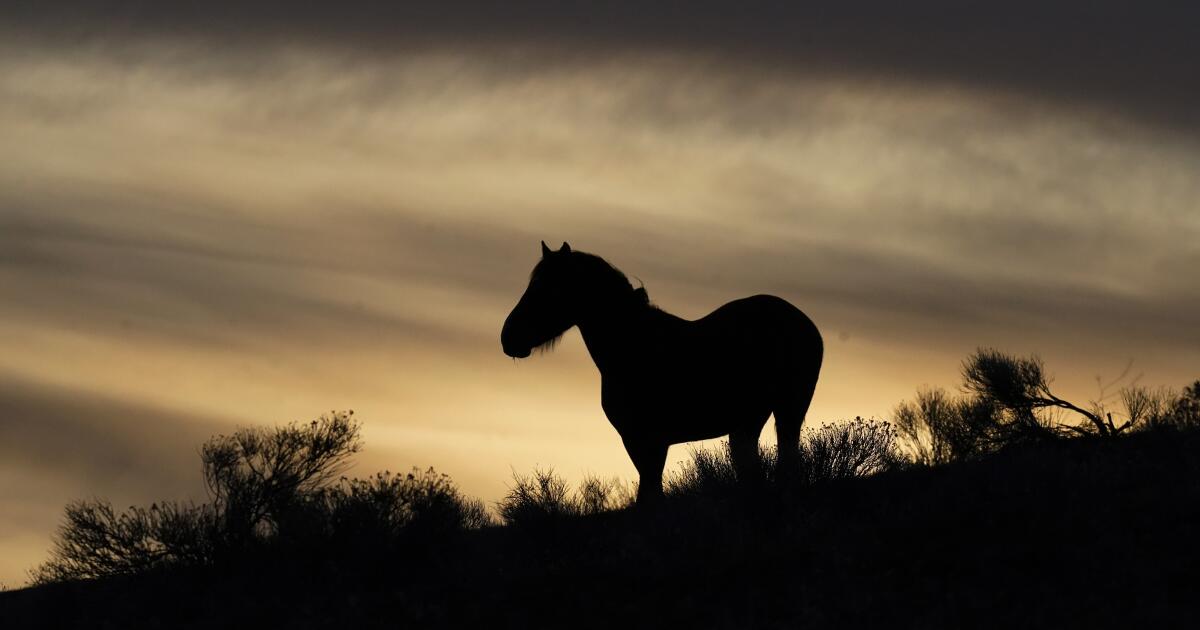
(87, 441)
(1132, 58)
(241, 284)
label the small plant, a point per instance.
(388, 506)
(938, 428)
(848, 450)
(1163, 408)
(845, 450)
(706, 473)
(596, 495)
(543, 496)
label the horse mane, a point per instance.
(603, 276)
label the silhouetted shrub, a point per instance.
(597, 495)
(1020, 389)
(1007, 401)
(1164, 408)
(708, 472)
(258, 478)
(543, 496)
(938, 428)
(387, 506)
(1185, 411)
(97, 541)
(268, 488)
(846, 450)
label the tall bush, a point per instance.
(267, 487)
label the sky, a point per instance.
(216, 215)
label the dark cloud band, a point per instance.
(1135, 57)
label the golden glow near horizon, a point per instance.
(193, 241)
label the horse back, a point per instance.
(757, 321)
(747, 344)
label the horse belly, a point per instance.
(675, 412)
(718, 410)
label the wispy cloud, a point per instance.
(1136, 58)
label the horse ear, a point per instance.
(545, 250)
(566, 248)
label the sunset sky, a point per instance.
(228, 214)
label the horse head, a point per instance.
(547, 308)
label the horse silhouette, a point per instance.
(665, 379)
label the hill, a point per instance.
(1085, 532)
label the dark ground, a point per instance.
(1083, 533)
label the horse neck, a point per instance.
(614, 333)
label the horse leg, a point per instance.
(743, 450)
(789, 417)
(649, 459)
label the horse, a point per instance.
(667, 380)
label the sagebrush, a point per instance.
(267, 488)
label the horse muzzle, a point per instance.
(518, 353)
